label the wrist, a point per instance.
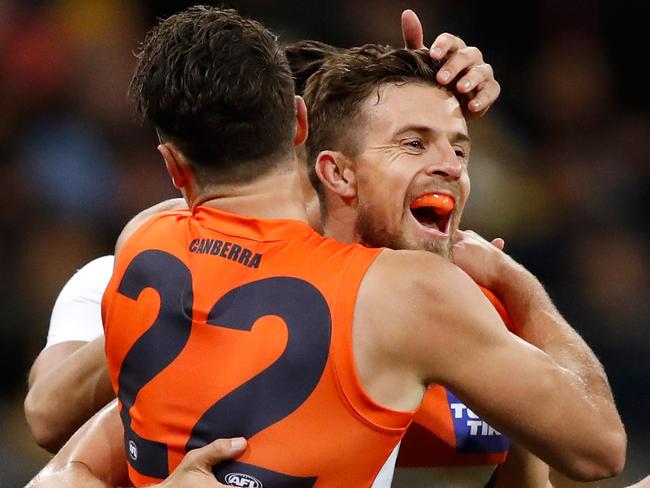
(507, 276)
(515, 286)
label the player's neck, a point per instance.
(339, 222)
(275, 196)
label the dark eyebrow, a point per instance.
(461, 137)
(456, 137)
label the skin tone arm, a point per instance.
(68, 383)
(95, 453)
(541, 324)
(444, 331)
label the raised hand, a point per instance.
(462, 65)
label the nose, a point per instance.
(445, 163)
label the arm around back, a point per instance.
(421, 319)
(69, 383)
(94, 458)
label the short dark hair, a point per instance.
(335, 93)
(218, 86)
(305, 58)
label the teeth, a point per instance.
(441, 204)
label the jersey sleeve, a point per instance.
(76, 315)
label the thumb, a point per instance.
(412, 30)
(207, 456)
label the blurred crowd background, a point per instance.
(560, 166)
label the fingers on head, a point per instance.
(476, 76)
(448, 42)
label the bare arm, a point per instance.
(68, 383)
(94, 458)
(448, 333)
(542, 325)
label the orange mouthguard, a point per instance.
(441, 204)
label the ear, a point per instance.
(336, 173)
(177, 166)
(302, 126)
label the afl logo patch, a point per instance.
(133, 450)
(241, 479)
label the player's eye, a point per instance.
(461, 153)
(414, 144)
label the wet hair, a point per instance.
(219, 87)
(336, 91)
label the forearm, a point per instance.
(576, 427)
(71, 475)
(542, 325)
(92, 458)
(65, 394)
(522, 469)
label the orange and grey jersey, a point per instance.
(219, 325)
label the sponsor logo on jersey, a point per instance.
(133, 451)
(227, 250)
(241, 479)
(473, 434)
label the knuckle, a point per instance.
(473, 52)
(446, 38)
(220, 446)
(462, 55)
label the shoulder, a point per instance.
(413, 302)
(136, 222)
(420, 274)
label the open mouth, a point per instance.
(433, 211)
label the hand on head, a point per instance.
(464, 65)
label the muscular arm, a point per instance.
(68, 383)
(541, 324)
(433, 325)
